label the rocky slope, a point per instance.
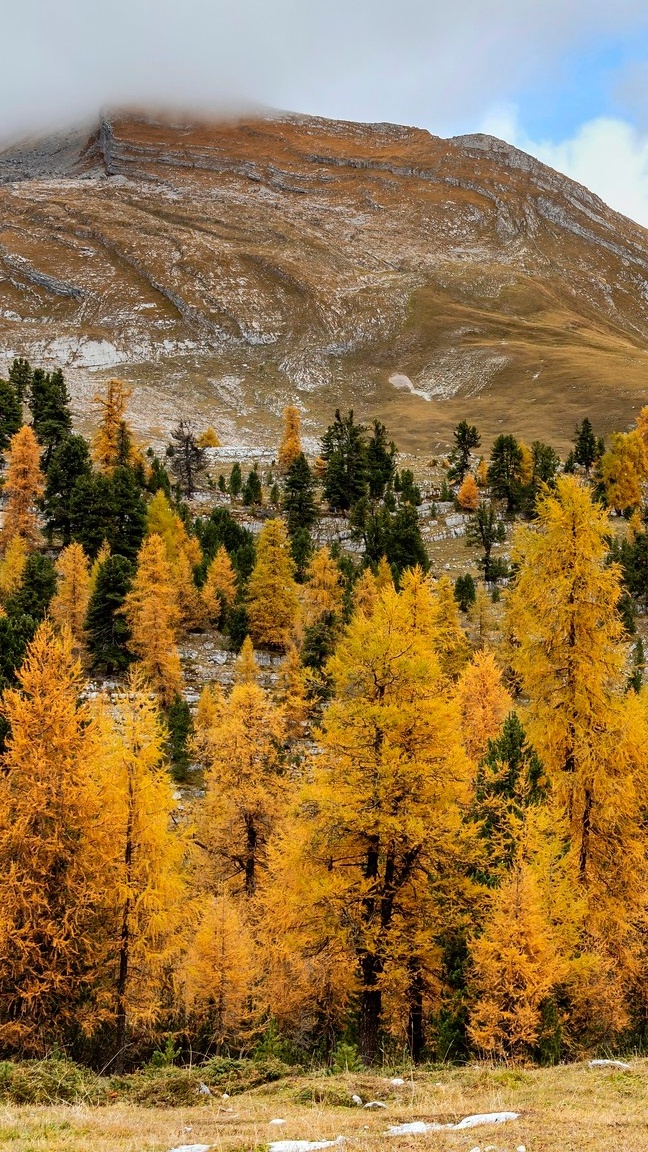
(227, 267)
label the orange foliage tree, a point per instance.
(273, 603)
(24, 484)
(290, 446)
(152, 614)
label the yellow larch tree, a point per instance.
(112, 443)
(52, 854)
(290, 446)
(293, 694)
(245, 786)
(24, 484)
(452, 643)
(209, 710)
(220, 587)
(219, 971)
(624, 469)
(183, 553)
(567, 650)
(12, 567)
(272, 597)
(69, 605)
(515, 968)
(322, 593)
(526, 463)
(484, 701)
(148, 889)
(481, 473)
(365, 593)
(384, 807)
(384, 577)
(482, 617)
(152, 613)
(468, 494)
(209, 438)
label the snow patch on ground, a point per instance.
(419, 1127)
(399, 380)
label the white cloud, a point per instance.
(608, 155)
(422, 62)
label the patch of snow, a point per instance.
(193, 1148)
(418, 1127)
(397, 1081)
(277, 1121)
(399, 380)
(357, 1100)
(375, 1104)
(610, 1064)
(303, 1145)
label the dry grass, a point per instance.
(565, 1109)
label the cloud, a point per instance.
(607, 154)
(414, 61)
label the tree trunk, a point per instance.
(415, 1036)
(124, 943)
(370, 1009)
(250, 858)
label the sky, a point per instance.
(566, 80)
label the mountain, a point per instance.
(228, 267)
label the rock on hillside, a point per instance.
(227, 267)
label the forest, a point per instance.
(423, 838)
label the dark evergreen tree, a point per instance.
(465, 592)
(410, 493)
(381, 466)
(252, 492)
(34, 594)
(505, 471)
(466, 437)
(301, 548)
(10, 413)
(159, 479)
(319, 641)
(298, 501)
(179, 724)
(509, 779)
(49, 403)
(275, 495)
(16, 632)
(395, 535)
(111, 508)
(69, 464)
(485, 529)
(635, 682)
(20, 375)
(106, 627)
(189, 459)
(586, 446)
(222, 483)
(344, 452)
(235, 480)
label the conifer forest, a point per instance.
(409, 824)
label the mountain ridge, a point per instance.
(232, 265)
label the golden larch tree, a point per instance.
(290, 446)
(219, 971)
(112, 443)
(209, 438)
(245, 785)
(152, 613)
(272, 597)
(515, 968)
(148, 891)
(292, 693)
(53, 864)
(183, 553)
(383, 808)
(70, 602)
(624, 469)
(365, 593)
(484, 701)
(12, 567)
(452, 643)
(24, 484)
(322, 593)
(220, 587)
(468, 494)
(567, 650)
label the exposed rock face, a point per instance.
(229, 266)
